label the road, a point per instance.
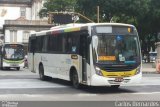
(26, 86)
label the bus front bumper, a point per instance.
(13, 65)
(97, 80)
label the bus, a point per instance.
(152, 56)
(11, 56)
(92, 54)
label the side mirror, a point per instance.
(95, 41)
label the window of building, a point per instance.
(13, 36)
(23, 12)
(25, 36)
(39, 43)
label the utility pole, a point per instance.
(97, 14)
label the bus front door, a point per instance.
(83, 53)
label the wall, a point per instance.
(12, 13)
(20, 34)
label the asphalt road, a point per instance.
(26, 86)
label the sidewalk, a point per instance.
(147, 68)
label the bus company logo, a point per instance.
(9, 104)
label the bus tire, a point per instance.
(41, 73)
(115, 86)
(75, 80)
(7, 68)
(18, 68)
(2, 68)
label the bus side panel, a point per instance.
(59, 65)
(88, 74)
(50, 68)
(1, 61)
(31, 62)
(37, 62)
(79, 68)
(92, 71)
(63, 65)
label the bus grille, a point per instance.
(113, 69)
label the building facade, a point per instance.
(13, 9)
(19, 18)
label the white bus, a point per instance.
(11, 56)
(93, 54)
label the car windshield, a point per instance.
(153, 54)
(116, 49)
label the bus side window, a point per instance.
(69, 47)
(75, 44)
(39, 43)
(49, 45)
(64, 38)
(59, 43)
(32, 45)
(44, 47)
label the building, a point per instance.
(1, 35)
(19, 18)
(13, 9)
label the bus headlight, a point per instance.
(98, 71)
(138, 70)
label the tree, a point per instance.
(57, 6)
(144, 14)
(125, 11)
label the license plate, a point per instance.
(119, 79)
(14, 65)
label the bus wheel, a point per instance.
(41, 73)
(115, 86)
(18, 68)
(75, 80)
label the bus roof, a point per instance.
(76, 27)
(152, 52)
(87, 24)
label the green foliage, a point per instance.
(57, 6)
(124, 10)
(144, 14)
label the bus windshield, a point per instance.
(13, 52)
(116, 49)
